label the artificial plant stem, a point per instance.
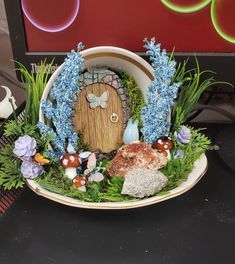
(13, 108)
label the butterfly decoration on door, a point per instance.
(92, 170)
(98, 101)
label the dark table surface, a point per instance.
(197, 227)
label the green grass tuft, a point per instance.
(193, 84)
(34, 86)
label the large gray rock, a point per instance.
(141, 182)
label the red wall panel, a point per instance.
(123, 23)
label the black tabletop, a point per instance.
(197, 227)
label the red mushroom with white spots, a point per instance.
(164, 144)
(70, 161)
(79, 182)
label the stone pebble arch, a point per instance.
(111, 78)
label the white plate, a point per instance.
(196, 174)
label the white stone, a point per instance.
(141, 182)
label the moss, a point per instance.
(177, 170)
(81, 142)
(109, 190)
(135, 96)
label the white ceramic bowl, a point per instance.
(126, 61)
(114, 58)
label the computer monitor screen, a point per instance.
(50, 28)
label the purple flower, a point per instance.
(178, 154)
(31, 170)
(183, 136)
(25, 147)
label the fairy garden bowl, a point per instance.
(110, 133)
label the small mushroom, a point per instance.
(70, 161)
(164, 144)
(79, 182)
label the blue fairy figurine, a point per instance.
(131, 132)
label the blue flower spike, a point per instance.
(161, 94)
(60, 109)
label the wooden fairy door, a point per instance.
(102, 128)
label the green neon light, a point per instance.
(217, 27)
(184, 9)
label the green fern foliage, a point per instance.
(19, 128)
(10, 175)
